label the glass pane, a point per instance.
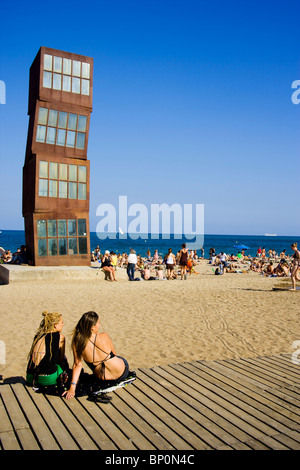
(72, 124)
(52, 188)
(72, 172)
(72, 190)
(85, 87)
(43, 173)
(82, 174)
(62, 121)
(66, 83)
(82, 191)
(63, 189)
(72, 227)
(81, 123)
(53, 170)
(57, 64)
(70, 139)
(52, 246)
(85, 72)
(51, 134)
(42, 247)
(76, 68)
(40, 133)
(43, 114)
(62, 227)
(43, 188)
(47, 62)
(61, 137)
(75, 85)
(81, 226)
(63, 171)
(67, 66)
(47, 79)
(52, 228)
(72, 246)
(82, 243)
(56, 81)
(52, 121)
(41, 228)
(80, 140)
(62, 246)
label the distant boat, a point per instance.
(270, 234)
(121, 231)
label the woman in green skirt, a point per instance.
(47, 362)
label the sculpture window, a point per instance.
(61, 128)
(62, 180)
(66, 75)
(62, 237)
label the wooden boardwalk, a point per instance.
(230, 404)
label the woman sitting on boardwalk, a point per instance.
(97, 351)
(47, 361)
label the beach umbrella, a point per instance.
(241, 247)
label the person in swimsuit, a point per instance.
(97, 351)
(107, 265)
(295, 266)
(183, 260)
(46, 359)
(170, 263)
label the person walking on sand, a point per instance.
(170, 263)
(183, 260)
(132, 262)
(295, 266)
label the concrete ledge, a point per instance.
(16, 273)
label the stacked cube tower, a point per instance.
(56, 172)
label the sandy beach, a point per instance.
(206, 317)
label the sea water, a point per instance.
(13, 239)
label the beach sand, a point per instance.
(206, 317)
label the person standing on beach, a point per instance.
(170, 263)
(183, 259)
(131, 263)
(295, 266)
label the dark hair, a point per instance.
(82, 332)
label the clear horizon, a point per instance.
(192, 104)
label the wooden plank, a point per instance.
(59, 431)
(177, 425)
(88, 419)
(41, 431)
(248, 396)
(20, 425)
(233, 413)
(202, 423)
(8, 439)
(141, 418)
(262, 396)
(131, 434)
(273, 375)
(74, 427)
(231, 423)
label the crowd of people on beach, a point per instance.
(173, 266)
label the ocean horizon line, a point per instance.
(178, 235)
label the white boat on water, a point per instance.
(270, 234)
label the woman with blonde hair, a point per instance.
(295, 265)
(46, 359)
(97, 351)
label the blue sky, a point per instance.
(191, 105)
